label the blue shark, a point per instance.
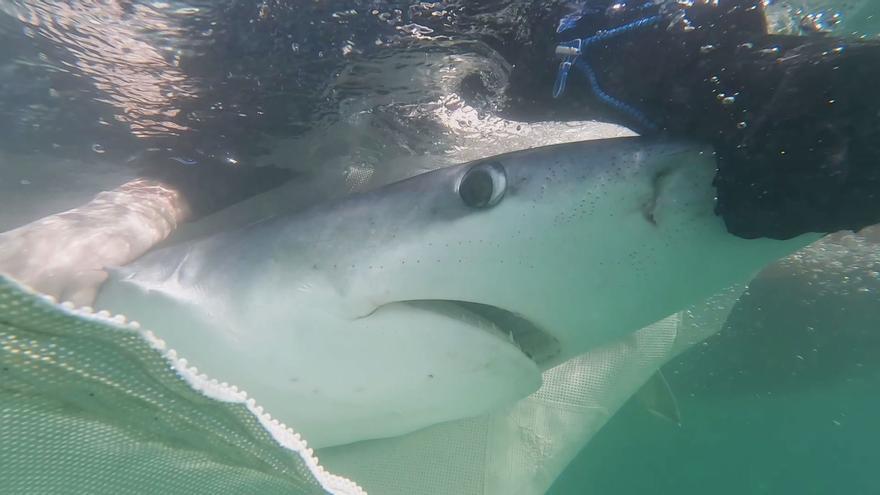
(444, 295)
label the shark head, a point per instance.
(445, 295)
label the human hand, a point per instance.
(65, 255)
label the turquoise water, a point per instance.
(817, 441)
(783, 401)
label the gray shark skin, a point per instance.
(445, 295)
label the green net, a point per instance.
(92, 404)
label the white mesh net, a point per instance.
(93, 405)
(89, 404)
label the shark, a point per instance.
(447, 294)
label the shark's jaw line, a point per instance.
(534, 342)
(430, 299)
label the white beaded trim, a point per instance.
(224, 392)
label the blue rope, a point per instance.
(619, 105)
(571, 20)
(576, 48)
(604, 35)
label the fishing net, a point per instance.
(92, 404)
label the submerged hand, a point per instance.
(65, 255)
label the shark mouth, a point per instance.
(533, 341)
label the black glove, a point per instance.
(795, 120)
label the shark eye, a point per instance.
(483, 185)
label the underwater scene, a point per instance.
(459, 247)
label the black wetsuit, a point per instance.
(795, 120)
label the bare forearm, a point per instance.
(65, 254)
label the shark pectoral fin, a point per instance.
(657, 397)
